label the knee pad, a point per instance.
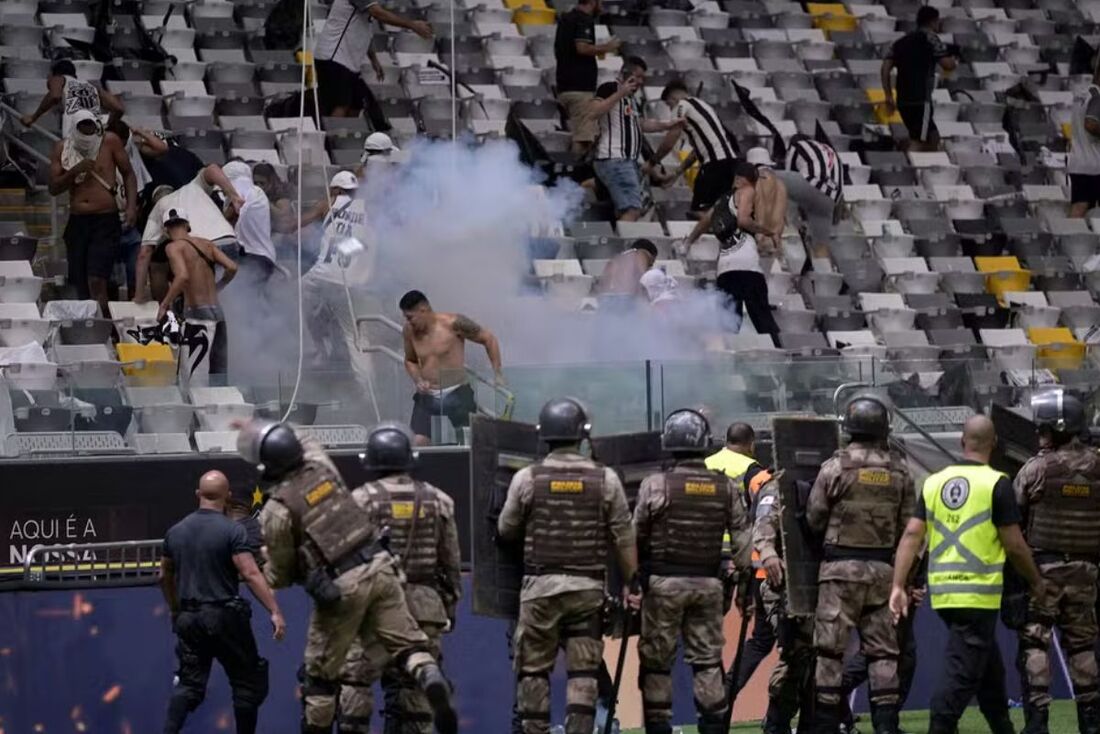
(251, 689)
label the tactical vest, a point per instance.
(863, 524)
(566, 530)
(687, 537)
(418, 558)
(1067, 517)
(329, 524)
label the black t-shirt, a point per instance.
(201, 547)
(916, 56)
(1005, 510)
(575, 73)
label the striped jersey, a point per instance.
(819, 164)
(704, 131)
(620, 128)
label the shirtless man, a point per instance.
(87, 165)
(770, 204)
(622, 275)
(435, 358)
(193, 261)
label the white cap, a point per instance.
(379, 143)
(236, 170)
(759, 157)
(344, 180)
(84, 115)
(174, 214)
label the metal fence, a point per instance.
(92, 565)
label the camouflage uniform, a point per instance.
(1059, 492)
(680, 519)
(433, 585)
(861, 501)
(792, 675)
(371, 604)
(570, 511)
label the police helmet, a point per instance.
(564, 419)
(686, 431)
(270, 445)
(1059, 412)
(867, 416)
(389, 448)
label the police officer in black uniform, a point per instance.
(204, 555)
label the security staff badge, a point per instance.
(955, 493)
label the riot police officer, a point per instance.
(791, 679)
(1059, 492)
(571, 512)
(420, 519)
(860, 502)
(318, 535)
(680, 520)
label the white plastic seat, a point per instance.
(634, 230)
(21, 323)
(216, 442)
(1032, 310)
(18, 283)
(27, 368)
(160, 409)
(1010, 348)
(893, 246)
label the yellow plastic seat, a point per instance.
(995, 264)
(154, 364)
(1003, 275)
(877, 97)
(1067, 131)
(1057, 347)
(832, 17)
(527, 15)
(691, 173)
(516, 4)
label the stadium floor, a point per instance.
(1063, 718)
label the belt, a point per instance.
(846, 553)
(660, 568)
(194, 605)
(594, 574)
(356, 558)
(1055, 557)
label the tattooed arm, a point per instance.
(466, 328)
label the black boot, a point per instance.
(658, 727)
(1088, 717)
(712, 724)
(884, 719)
(826, 719)
(1036, 718)
(438, 691)
(942, 725)
(246, 718)
(774, 723)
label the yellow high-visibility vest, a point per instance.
(965, 555)
(734, 466)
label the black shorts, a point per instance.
(92, 245)
(714, 181)
(918, 121)
(339, 86)
(457, 405)
(1084, 189)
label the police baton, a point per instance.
(627, 618)
(735, 670)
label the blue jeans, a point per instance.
(623, 181)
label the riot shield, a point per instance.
(801, 446)
(498, 449)
(634, 456)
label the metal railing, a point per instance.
(92, 565)
(7, 112)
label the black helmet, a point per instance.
(686, 431)
(868, 416)
(271, 445)
(1061, 413)
(389, 448)
(563, 419)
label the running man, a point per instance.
(435, 358)
(193, 262)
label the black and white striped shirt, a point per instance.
(819, 164)
(704, 131)
(620, 128)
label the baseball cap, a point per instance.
(174, 214)
(379, 143)
(759, 157)
(344, 180)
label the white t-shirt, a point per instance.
(77, 95)
(206, 219)
(346, 36)
(1084, 152)
(254, 220)
(347, 219)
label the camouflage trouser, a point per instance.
(1070, 603)
(371, 608)
(407, 710)
(671, 609)
(794, 670)
(842, 606)
(572, 620)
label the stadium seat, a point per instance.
(18, 284)
(1032, 310)
(147, 365)
(1009, 348)
(1003, 274)
(1057, 348)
